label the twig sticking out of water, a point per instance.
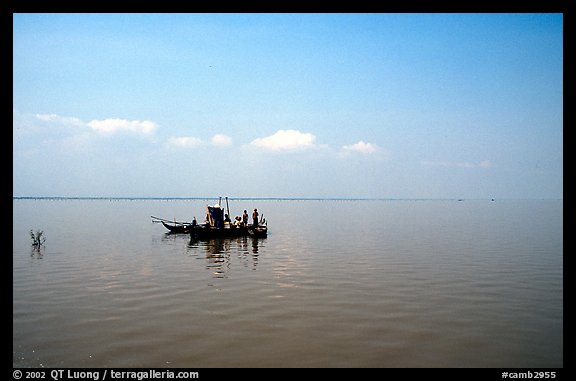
(38, 238)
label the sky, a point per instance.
(288, 105)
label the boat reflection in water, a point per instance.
(221, 252)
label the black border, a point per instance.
(281, 6)
(9, 7)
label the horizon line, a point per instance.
(272, 198)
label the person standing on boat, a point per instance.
(245, 218)
(255, 217)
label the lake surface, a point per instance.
(365, 283)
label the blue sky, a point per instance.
(288, 105)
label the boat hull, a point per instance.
(177, 229)
(207, 232)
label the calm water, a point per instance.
(392, 283)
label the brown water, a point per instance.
(390, 283)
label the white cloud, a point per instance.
(55, 118)
(104, 126)
(184, 142)
(450, 164)
(362, 147)
(430, 163)
(221, 140)
(286, 140)
(111, 126)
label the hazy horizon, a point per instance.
(268, 198)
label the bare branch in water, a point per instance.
(38, 238)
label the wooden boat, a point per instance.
(174, 226)
(227, 231)
(260, 231)
(216, 225)
(178, 228)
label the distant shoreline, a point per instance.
(56, 198)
